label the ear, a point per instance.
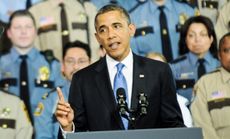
(132, 29)
(98, 38)
(8, 33)
(62, 66)
(211, 39)
(219, 57)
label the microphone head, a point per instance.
(121, 93)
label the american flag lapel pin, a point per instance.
(141, 76)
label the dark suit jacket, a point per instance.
(92, 98)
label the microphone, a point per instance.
(143, 103)
(122, 104)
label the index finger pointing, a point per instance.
(60, 94)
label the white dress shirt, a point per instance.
(127, 72)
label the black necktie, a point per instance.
(28, 4)
(24, 85)
(64, 26)
(201, 68)
(165, 39)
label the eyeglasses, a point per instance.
(79, 62)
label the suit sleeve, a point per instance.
(170, 111)
(77, 104)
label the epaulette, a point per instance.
(7, 92)
(209, 4)
(181, 58)
(216, 70)
(46, 95)
(188, 2)
(49, 56)
(139, 2)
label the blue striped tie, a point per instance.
(120, 82)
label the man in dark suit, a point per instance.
(92, 104)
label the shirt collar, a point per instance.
(32, 54)
(128, 61)
(194, 59)
(168, 5)
(225, 75)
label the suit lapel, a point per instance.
(139, 80)
(105, 90)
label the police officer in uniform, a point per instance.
(148, 33)
(199, 54)
(223, 22)
(76, 56)
(211, 106)
(25, 71)
(14, 120)
(79, 23)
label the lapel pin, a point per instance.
(141, 75)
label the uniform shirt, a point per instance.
(223, 22)
(47, 17)
(100, 3)
(46, 125)
(42, 76)
(185, 71)
(211, 106)
(146, 19)
(14, 121)
(210, 8)
(12, 5)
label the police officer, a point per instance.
(148, 33)
(79, 25)
(211, 106)
(7, 7)
(25, 71)
(199, 54)
(76, 56)
(223, 21)
(14, 121)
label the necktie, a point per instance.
(24, 85)
(28, 4)
(64, 26)
(165, 39)
(120, 82)
(201, 68)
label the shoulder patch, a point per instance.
(49, 56)
(39, 109)
(179, 59)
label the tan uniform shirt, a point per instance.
(48, 21)
(210, 8)
(14, 122)
(223, 22)
(211, 106)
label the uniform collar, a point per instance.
(168, 5)
(31, 55)
(194, 59)
(225, 75)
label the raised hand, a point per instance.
(64, 113)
